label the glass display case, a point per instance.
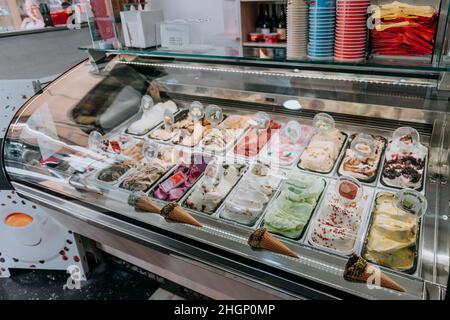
(207, 160)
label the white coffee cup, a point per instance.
(27, 234)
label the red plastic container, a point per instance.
(59, 17)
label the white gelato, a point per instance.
(251, 196)
(151, 117)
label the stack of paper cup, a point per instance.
(297, 28)
(322, 19)
(351, 30)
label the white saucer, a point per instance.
(52, 242)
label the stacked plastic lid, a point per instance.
(351, 30)
(297, 28)
(322, 20)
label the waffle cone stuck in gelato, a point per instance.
(261, 238)
(173, 211)
(359, 270)
(140, 200)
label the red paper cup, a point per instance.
(356, 9)
(351, 27)
(348, 60)
(349, 47)
(352, 11)
(341, 54)
(350, 53)
(351, 20)
(343, 16)
(352, 5)
(348, 24)
(349, 57)
(350, 33)
(350, 42)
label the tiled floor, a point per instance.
(109, 281)
(162, 294)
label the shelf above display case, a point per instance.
(384, 65)
(264, 45)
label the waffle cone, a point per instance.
(147, 205)
(269, 242)
(261, 238)
(359, 270)
(141, 201)
(180, 215)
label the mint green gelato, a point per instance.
(291, 211)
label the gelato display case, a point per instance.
(285, 182)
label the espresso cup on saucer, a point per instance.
(22, 227)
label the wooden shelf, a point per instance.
(264, 45)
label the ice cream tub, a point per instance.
(254, 141)
(294, 205)
(421, 188)
(251, 196)
(114, 174)
(301, 166)
(414, 243)
(125, 131)
(287, 145)
(209, 193)
(157, 132)
(405, 161)
(175, 185)
(216, 144)
(137, 172)
(344, 223)
(354, 159)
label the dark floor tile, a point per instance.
(107, 282)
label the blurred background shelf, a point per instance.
(264, 45)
